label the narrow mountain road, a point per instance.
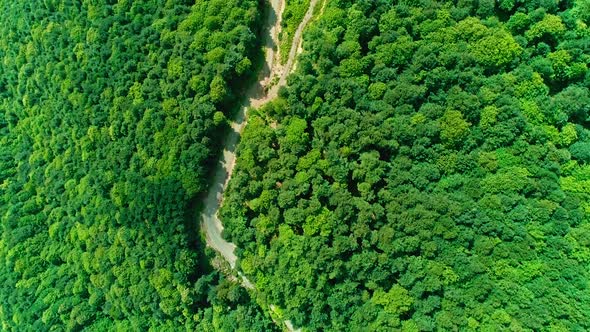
(295, 50)
(257, 95)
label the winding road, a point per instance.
(257, 95)
(255, 98)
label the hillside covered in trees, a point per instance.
(426, 169)
(111, 113)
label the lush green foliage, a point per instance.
(292, 16)
(110, 112)
(428, 168)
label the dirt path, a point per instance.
(256, 96)
(296, 49)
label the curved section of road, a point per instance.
(254, 98)
(257, 95)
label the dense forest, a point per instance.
(111, 113)
(426, 169)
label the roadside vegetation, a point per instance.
(292, 16)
